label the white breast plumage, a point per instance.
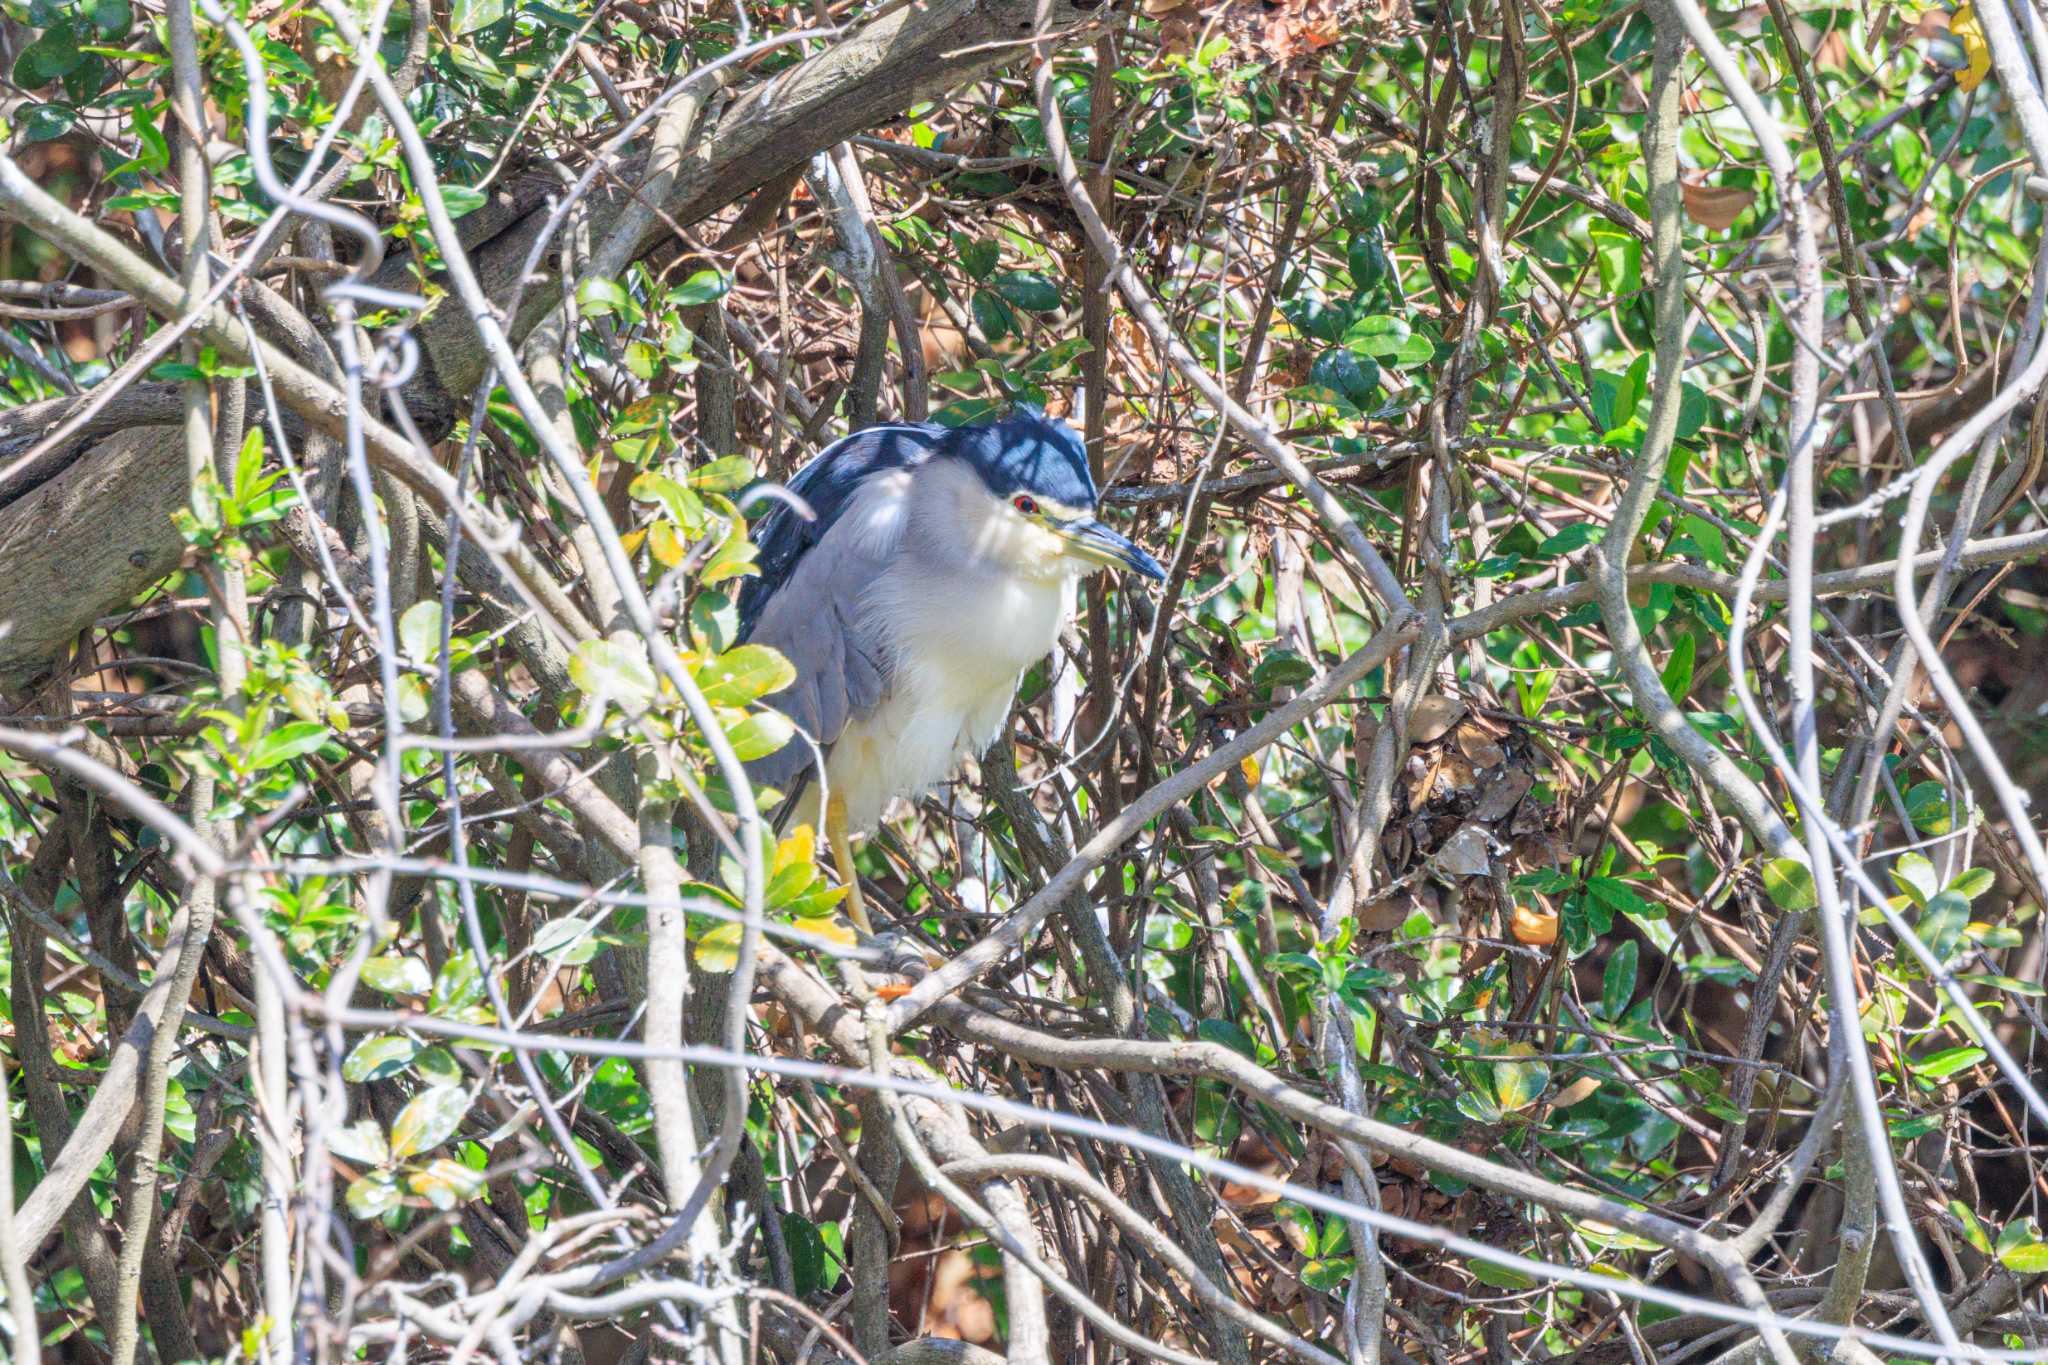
(956, 665)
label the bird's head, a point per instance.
(1040, 516)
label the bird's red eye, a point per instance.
(1025, 503)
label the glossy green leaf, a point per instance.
(429, 1119)
(743, 674)
(378, 1056)
(397, 976)
(1789, 883)
(2021, 1249)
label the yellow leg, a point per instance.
(842, 854)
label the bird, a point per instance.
(916, 574)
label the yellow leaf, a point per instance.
(828, 927)
(1537, 928)
(1250, 768)
(1969, 31)
(799, 848)
(719, 949)
(666, 544)
(630, 542)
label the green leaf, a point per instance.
(759, 734)
(1366, 258)
(378, 1056)
(153, 152)
(1479, 1107)
(458, 986)
(614, 669)
(444, 1183)
(2020, 1248)
(1230, 1033)
(372, 1196)
(1947, 1062)
(1943, 924)
(718, 950)
(1570, 538)
(49, 58)
(468, 16)
(1282, 668)
(596, 298)
(1915, 876)
(412, 698)
(1032, 292)
(1328, 1274)
(744, 674)
(1620, 259)
(1692, 411)
(734, 556)
(419, 631)
(113, 18)
(728, 474)
(979, 258)
(568, 941)
(702, 287)
(1379, 335)
(835, 1253)
(992, 315)
(42, 122)
(1678, 668)
(1618, 897)
(397, 976)
(1618, 982)
(1973, 882)
(1973, 1230)
(461, 199)
(249, 466)
(429, 1119)
(286, 743)
(806, 1253)
(1789, 883)
(361, 1142)
(1517, 1084)
(1297, 1223)
(437, 1066)
(1929, 808)
(1617, 397)
(1349, 375)
(1499, 1276)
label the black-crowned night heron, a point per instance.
(937, 565)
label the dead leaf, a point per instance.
(1577, 1091)
(1432, 718)
(1479, 748)
(1508, 786)
(1715, 207)
(1383, 916)
(1535, 927)
(1464, 854)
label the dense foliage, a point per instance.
(1518, 890)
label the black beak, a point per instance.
(1093, 541)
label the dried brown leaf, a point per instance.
(1716, 207)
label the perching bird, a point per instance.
(940, 564)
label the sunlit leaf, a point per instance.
(378, 1056)
(397, 975)
(429, 1119)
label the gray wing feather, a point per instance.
(842, 665)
